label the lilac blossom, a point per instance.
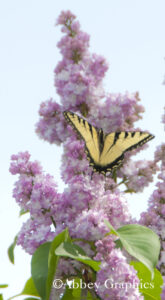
(21, 165)
(116, 279)
(154, 216)
(51, 127)
(118, 112)
(79, 82)
(33, 234)
(89, 207)
(36, 193)
(138, 174)
(86, 201)
(74, 159)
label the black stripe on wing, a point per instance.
(140, 143)
(66, 115)
(79, 119)
(90, 128)
(118, 161)
(104, 169)
(116, 138)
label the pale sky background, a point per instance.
(129, 33)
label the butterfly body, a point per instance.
(105, 152)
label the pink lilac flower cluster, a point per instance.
(51, 127)
(73, 158)
(89, 207)
(116, 278)
(138, 174)
(86, 202)
(36, 193)
(118, 112)
(21, 165)
(154, 217)
(78, 81)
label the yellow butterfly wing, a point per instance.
(89, 134)
(116, 144)
(105, 152)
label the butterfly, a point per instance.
(105, 152)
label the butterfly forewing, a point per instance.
(88, 132)
(92, 145)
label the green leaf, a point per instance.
(10, 250)
(2, 286)
(39, 268)
(118, 244)
(23, 212)
(74, 291)
(68, 295)
(140, 242)
(112, 229)
(150, 288)
(90, 297)
(1, 297)
(75, 252)
(31, 298)
(129, 191)
(53, 259)
(29, 289)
